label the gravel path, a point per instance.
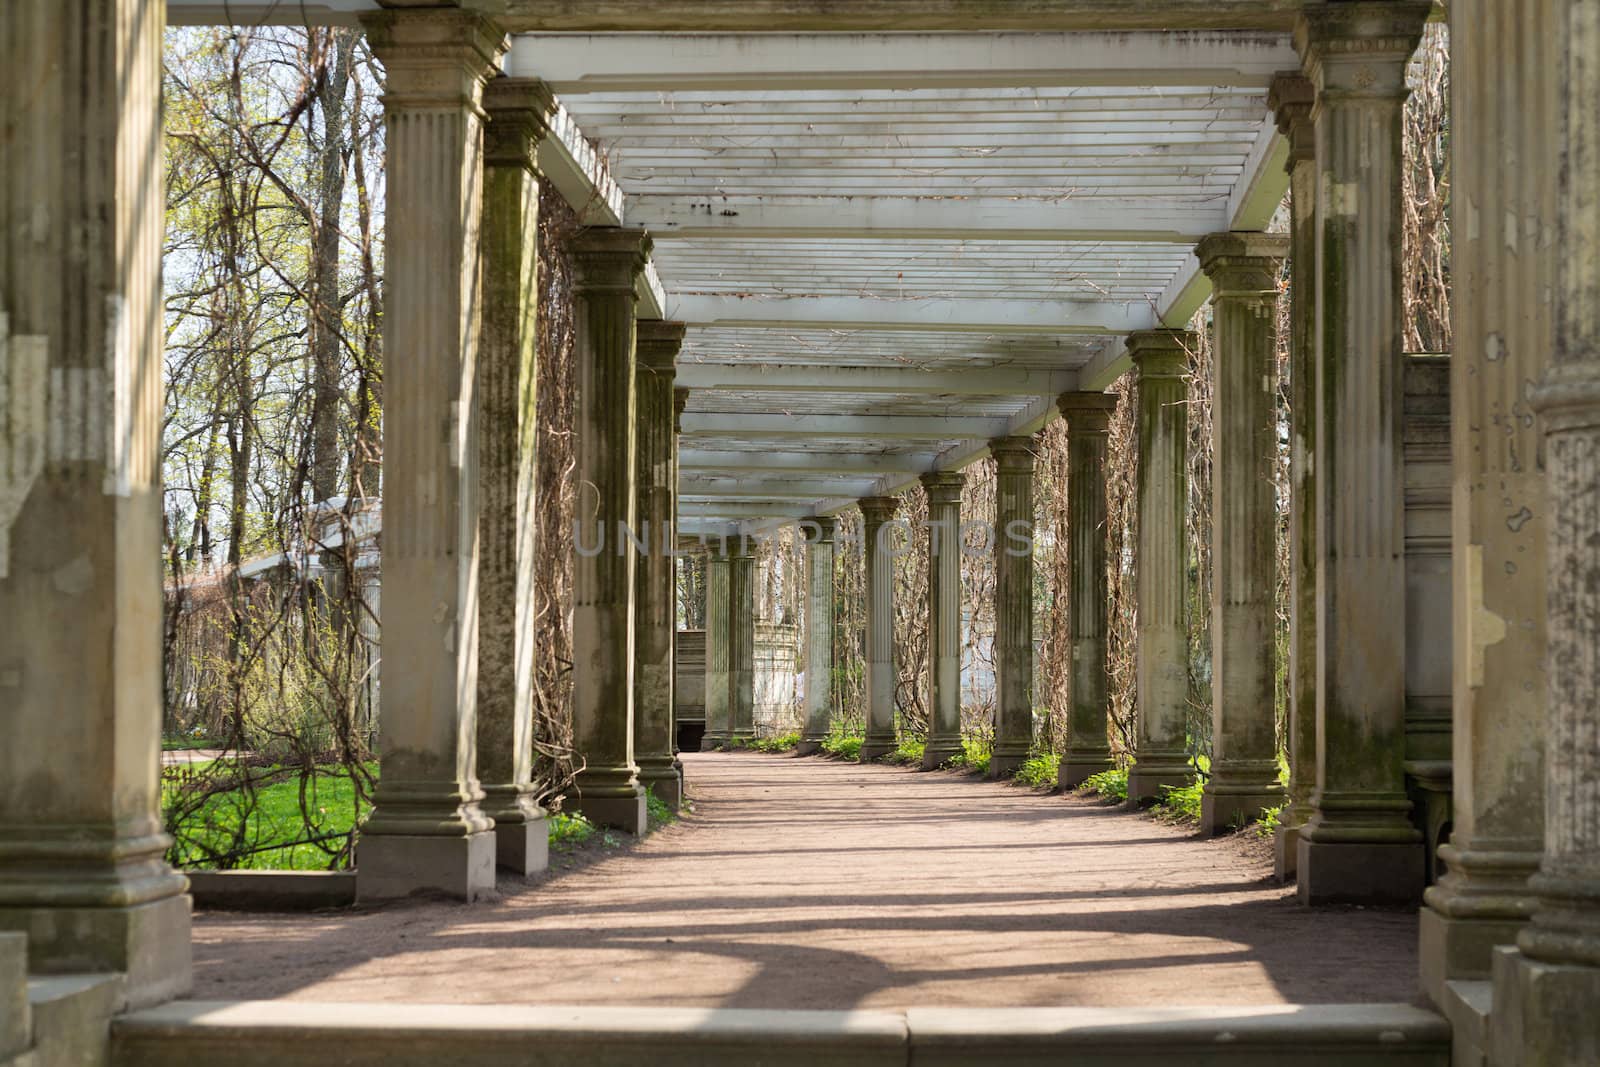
(806, 883)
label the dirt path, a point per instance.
(814, 884)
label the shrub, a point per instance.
(1039, 770)
(1108, 785)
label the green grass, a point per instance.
(1109, 785)
(781, 743)
(661, 814)
(842, 744)
(1039, 770)
(269, 829)
(1179, 803)
(974, 756)
(907, 753)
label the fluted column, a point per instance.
(877, 514)
(1546, 992)
(655, 613)
(1243, 268)
(719, 721)
(81, 843)
(680, 400)
(1359, 843)
(518, 109)
(944, 616)
(742, 639)
(1088, 751)
(1013, 604)
(1161, 756)
(1505, 164)
(427, 831)
(819, 632)
(1291, 97)
(607, 262)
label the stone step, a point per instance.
(71, 1016)
(286, 1033)
(16, 1019)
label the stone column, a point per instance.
(944, 616)
(819, 633)
(518, 109)
(427, 831)
(1161, 756)
(1546, 990)
(1243, 268)
(1501, 274)
(1088, 751)
(680, 400)
(741, 640)
(655, 583)
(719, 721)
(607, 261)
(82, 871)
(1291, 98)
(1359, 843)
(1013, 604)
(877, 512)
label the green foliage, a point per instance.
(781, 743)
(1108, 785)
(843, 743)
(908, 752)
(1039, 770)
(660, 812)
(1271, 819)
(263, 825)
(973, 757)
(568, 830)
(1179, 803)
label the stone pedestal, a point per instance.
(82, 871)
(655, 616)
(1359, 843)
(607, 262)
(877, 512)
(1088, 751)
(719, 724)
(819, 633)
(1500, 513)
(741, 640)
(1013, 605)
(1243, 268)
(944, 617)
(1291, 97)
(1161, 757)
(518, 110)
(427, 832)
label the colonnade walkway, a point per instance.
(814, 884)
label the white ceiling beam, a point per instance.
(570, 164)
(745, 510)
(779, 424)
(885, 217)
(769, 487)
(267, 12)
(850, 312)
(976, 380)
(800, 461)
(587, 63)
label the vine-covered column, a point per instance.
(944, 616)
(1015, 458)
(877, 515)
(819, 632)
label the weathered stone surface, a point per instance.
(272, 890)
(877, 513)
(719, 724)
(1013, 605)
(819, 632)
(741, 639)
(944, 616)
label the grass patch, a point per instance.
(659, 811)
(1109, 785)
(843, 744)
(571, 829)
(1039, 771)
(780, 743)
(267, 829)
(1179, 803)
(973, 757)
(188, 744)
(908, 752)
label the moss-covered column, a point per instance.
(655, 613)
(944, 616)
(1499, 519)
(741, 640)
(1545, 992)
(819, 632)
(719, 723)
(877, 515)
(1359, 843)
(1243, 268)
(607, 262)
(518, 109)
(427, 831)
(82, 871)
(1013, 604)
(1161, 756)
(1088, 751)
(680, 400)
(1291, 97)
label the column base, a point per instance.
(808, 746)
(1005, 763)
(939, 751)
(1150, 773)
(1456, 949)
(149, 943)
(627, 812)
(1078, 765)
(1544, 1013)
(665, 783)
(1483, 900)
(1358, 872)
(711, 741)
(1225, 806)
(522, 848)
(877, 747)
(391, 866)
(1286, 852)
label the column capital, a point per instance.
(943, 487)
(609, 257)
(680, 400)
(519, 112)
(1014, 455)
(1291, 97)
(878, 509)
(658, 343)
(1359, 48)
(818, 529)
(1242, 264)
(1161, 353)
(434, 57)
(1087, 412)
